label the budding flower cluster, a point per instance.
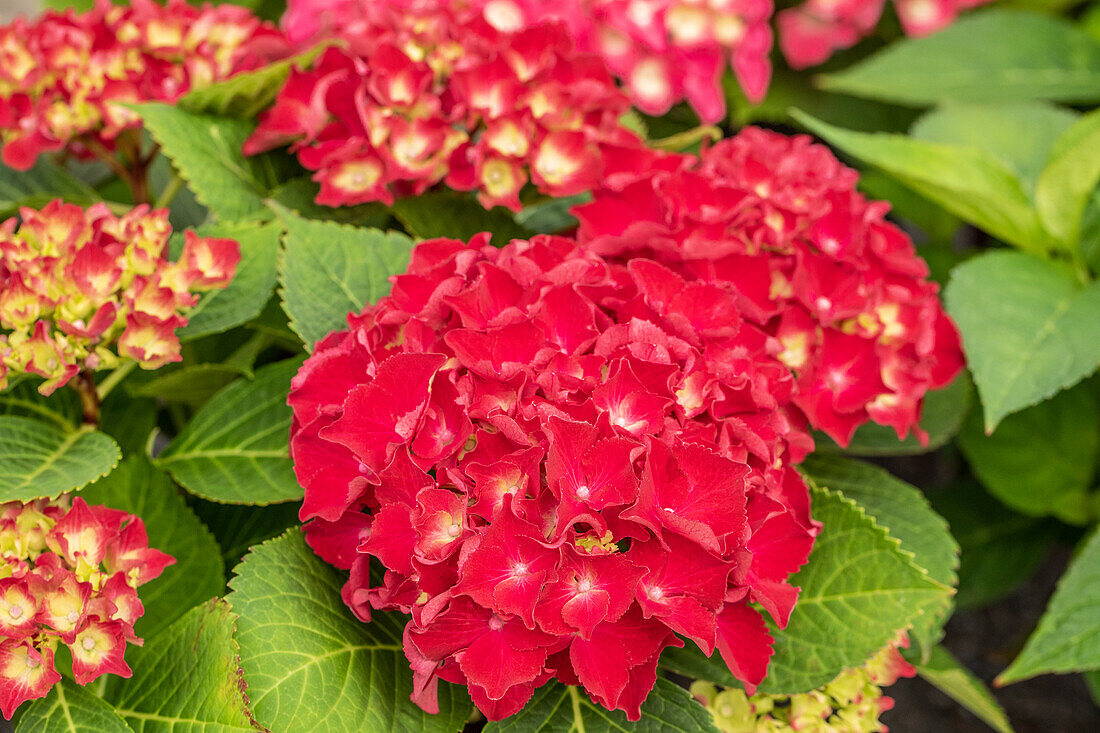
(80, 289)
(65, 76)
(434, 92)
(68, 575)
(562, 463)
(778, 221)
(851, 703)
(811, 32)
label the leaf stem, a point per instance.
(84, 384)
(113, 379)
(169, 192)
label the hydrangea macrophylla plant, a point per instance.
(811, 32)
(851, 703)
(80, 289)
(435, 93)
(69, 575)
(65, 76)
(550, 454)
(778, 222)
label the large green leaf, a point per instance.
(61, 409)
(206, 151)
(192, 385)
(858, 590)
(555, 708)
(456, 215)
(1068, 636)
(942, 415)
(198, 575)
(1028, 328)
(969, 182)
(251, 288)
(908, 517)
(40, 185)
(312, 666)
(245, 95)
(1000, 548)
(235, 449)
(69, 708)
(1068, 181)
(1041, 461)
(945, 673)
(329, 270)
(187, 679)
(40, 460)
(997, 55)
(1021, 134)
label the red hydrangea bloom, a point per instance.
(777, 221)
(665, 51)
(68, 575)
(434, 92)
(564, 463)
(75, 282)
(64, 75)
(811, 32)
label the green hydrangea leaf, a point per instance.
(186, 679)
(997, 55)
(206, 150)
(969, 182)
(909, 518)
(251, 288)
(61, 409)
(945, 673)
(235, 450)
(1068, 181)
(38, 186)
(41, 460)
(69, 708)
(329, 270)
(310, 664)
(198, 575)
(859, 589)
(1068, 636)
(1041, 461)
(1028, 328)
(1019, 133)
(555, 708)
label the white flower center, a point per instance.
(15, 611)
(584, 585)
(655, 594)
(88, 643)
(454, 530)
(583, 492)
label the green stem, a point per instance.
(169, 191)
(113, 379)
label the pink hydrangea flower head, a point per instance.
(777, 221)
(65, 75)
(564, 463)
(434, 92)
(69, 575)
(76, 282)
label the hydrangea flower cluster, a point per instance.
(666, 51)
(64, 76)
(851, 703)
(74, 283)
(68, 575)
(811, 32)
(777, 220)
(562, 463)
(433, 92)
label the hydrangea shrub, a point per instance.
(495, 377)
